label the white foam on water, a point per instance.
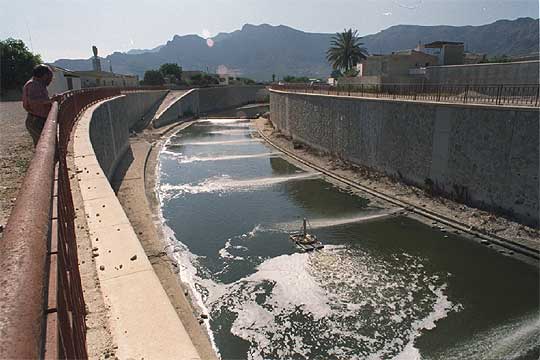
(218, 121)
(294, 285)
(191, 159)
(331, 222)
(512, 340)
(225, 254)
(440, 310)
(226, 142)
(185, 260)
(226, 183)
(186, 268)
(330, 287)
(231, 132)
(226, 125)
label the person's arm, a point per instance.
(37, 95)
(41, 101)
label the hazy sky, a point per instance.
(69, 28)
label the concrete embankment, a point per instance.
(485, 156)
(142, 319)
(205, 100)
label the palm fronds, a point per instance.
(346, 50)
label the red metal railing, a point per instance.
(510, 95)
(42, 310)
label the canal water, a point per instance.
(383, 287)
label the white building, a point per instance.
(103, 78)
(63, 80)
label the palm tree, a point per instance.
(346, 50)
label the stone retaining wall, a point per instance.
(485, 156)
(513, 73)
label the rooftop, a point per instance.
(440, 44)
(101, 74)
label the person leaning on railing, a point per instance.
(36, 101)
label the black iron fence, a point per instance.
(508, 95)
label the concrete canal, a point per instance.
(385, 285)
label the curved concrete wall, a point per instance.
(111, 124)
(486, 156)
(143, 321)
(185, 105)
(204, 100)
(220, 98)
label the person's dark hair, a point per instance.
(41, 70)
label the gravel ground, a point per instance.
(16, 150)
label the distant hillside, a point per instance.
(263, 50)
(503, 37)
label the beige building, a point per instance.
(400, 67)
(447, 52)
(103, 78)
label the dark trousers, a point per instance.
(34, 125)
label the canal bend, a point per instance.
(384, 286)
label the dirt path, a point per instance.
(475, 220)
(16, 151)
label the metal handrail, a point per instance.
(510, 95)
(42, 310)
(23, 253)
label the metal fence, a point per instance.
(508, 95)
(42, 310)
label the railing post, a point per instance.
(537, 94)
(466, 94)
(499, 94)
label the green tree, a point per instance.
(293, 79)
(153, 77)
(204, 80)
(346, 50)
(173, 70)
(16, 64)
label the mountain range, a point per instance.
(258, 51)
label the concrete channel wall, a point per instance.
(111, 124)
(485, 156)
(205, 100)
(143, 321)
